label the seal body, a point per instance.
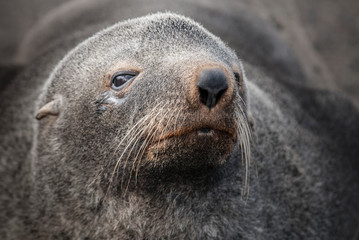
(145, 131)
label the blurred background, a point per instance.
(324, 34)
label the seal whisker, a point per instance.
(140, 130)
(97, 177)
(129, 132)
(147, 142)
(143, 148)
(135, 131)
(150, 139)
(170, 109)
(140, 123)
(149, 129)
(176, 121)
(136, 138)
(183, 120)
(150, 125)
(157, 129)
(244, 138)
(133, 137)
(245, 142)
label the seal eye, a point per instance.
(121, 79)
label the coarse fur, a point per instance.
(101, 164)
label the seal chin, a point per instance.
(193, 148)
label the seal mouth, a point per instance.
(205, 132)
(193, 147)
(200, 132)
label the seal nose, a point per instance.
(211, 83)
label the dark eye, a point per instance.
(237, 77)
(121, 79)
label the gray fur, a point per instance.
(55, 172)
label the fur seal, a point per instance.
(143, 131)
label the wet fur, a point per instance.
(303, 181)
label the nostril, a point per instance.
(203, 95)
(212, 84)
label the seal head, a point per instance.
(146, 95)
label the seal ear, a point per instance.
(51, 108)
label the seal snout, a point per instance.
(212, 84)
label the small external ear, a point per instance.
(51, 108)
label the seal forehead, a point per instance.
(164, 33)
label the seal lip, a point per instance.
(202, 131)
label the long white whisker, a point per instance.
(244, 140)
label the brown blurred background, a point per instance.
(324, 34)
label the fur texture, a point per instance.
(61, 177)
